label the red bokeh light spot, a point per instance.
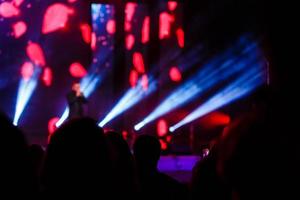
(47, 76)
(77, 70)
(129, 41)
(165, 21)
(215, 119)
(125, 135)
(17, 3)
(162, 128)
(146, 30)
(52, 127)
(56, 17)
(129, 10)
(19, 29)
(35, 53)
(111, 26)
(86, 33)
(163, 145)
(133, 78)
(138, 62)
(72, 1)
(7, 10)
(180, 37)
(172, 5)
(93, 41)
(27, 71)
(175, 74)
(145, 82)
(169, 138)
(127, 26)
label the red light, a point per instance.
(111, 26)
(172, 5)
(133, 78)
(56, 17)
(72, 1)
(77, 70)
(47, 76)
(129, 41)
(163, 144)
(138, 62)
(125, 135)
(27, 70)
(175, 74)
(162, 128)
(52, 127)
(215, 119)
(180, 37)
(127, 26)
(165, 21)
(86, 33)
(145, 82)
(17, 3)
(146, 30)
(7, 9)
(169, 138)
(19, 29)
(93, 41)
(35, 53)
(129, 11)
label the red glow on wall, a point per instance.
(72, 1)
(35, 53)
(165, 21)
(163, 145)
(19, 29)
(129, 10)
(86, 33)
(172, 5)
(127, 26)
(162, 128)
(180, 37)
(111, 26)
(133, 78)
(27, 70)
(77, 70)
(175, 74)
(56, 17)
(47, 76)
(129, 41)
(52, 127)
(138, 62)
(17, 3)
(7, 9)
(146, 30)
(93, 41)
(145, 82)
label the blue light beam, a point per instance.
(131, 98)
(238, 89)
(214, 72)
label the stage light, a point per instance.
(131, 98)
(217, 70)
(56, 17)
(25, 91)
(146, 30)
(19, 29)
(236, 90)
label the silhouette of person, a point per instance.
(152, 183)
(76, 99)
